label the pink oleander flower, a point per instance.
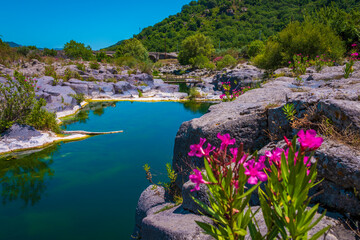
(222, 96)
(225, 140)
(274, 156)
(196, 149)
(354, 45)
(308, 141)
(289, 62)
(208, 150)
(234, 152)
(197, 178)
(254, 170)
(355, 54)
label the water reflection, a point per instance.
(24, 176)
(98, 108)
(197, 107)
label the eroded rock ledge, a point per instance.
(256, 119)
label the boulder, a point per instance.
(20, 132)
(122, 86)
(245, 119)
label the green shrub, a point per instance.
(41, 119)
(100, 56)
(146, 66)
(80, 66)
(201, 62)
(194, 93)
(132, 48)
(20, 95)
(79, 97)
(193, 46)
(95, 65)
(226, 61)
(23, 50)
(77, 50)
(126, 61)
(68, 74)
(234, 52)
(7, 54)
(50, 70)
(50, 52)
(255, 47)
(308, 38)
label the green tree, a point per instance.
(307, 38)
(256, 47)
(195, 46)
(78, 50)
(132, 48)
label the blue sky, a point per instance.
(100, 23)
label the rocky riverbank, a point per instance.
(256, 118)
(110, 83)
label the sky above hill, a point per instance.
(100, 23)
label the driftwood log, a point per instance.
(91, 133)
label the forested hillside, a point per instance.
(231, 23)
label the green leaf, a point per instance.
(319, 233)
(209, 172)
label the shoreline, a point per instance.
(49, 138)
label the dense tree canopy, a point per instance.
(235, 23)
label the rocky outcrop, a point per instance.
(22, 137)
(256, 118)
(157, 218)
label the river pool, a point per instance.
(89, 189)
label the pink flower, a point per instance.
(196, 149)
(225, 140)
(309, 141)
(208, 150)
(353, 45)
(222, 96)
(234, 152)
(197, 178)
(274, 156)
(289, 62)
(355, 54)
(254, 170)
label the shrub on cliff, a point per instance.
(18, 105)
(308, 38)
(41, 119)
(132, 48)
(78, 50)
(194, 46)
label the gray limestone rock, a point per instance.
(20, 132)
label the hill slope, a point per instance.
(230, 23)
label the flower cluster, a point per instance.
(221, 163)
(288, 175)
(255, 168)
(354, 53)
(217, 59)
(231, 95)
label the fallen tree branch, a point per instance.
(91, 133)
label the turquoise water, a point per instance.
(89, 189)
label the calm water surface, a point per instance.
(89, 189)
